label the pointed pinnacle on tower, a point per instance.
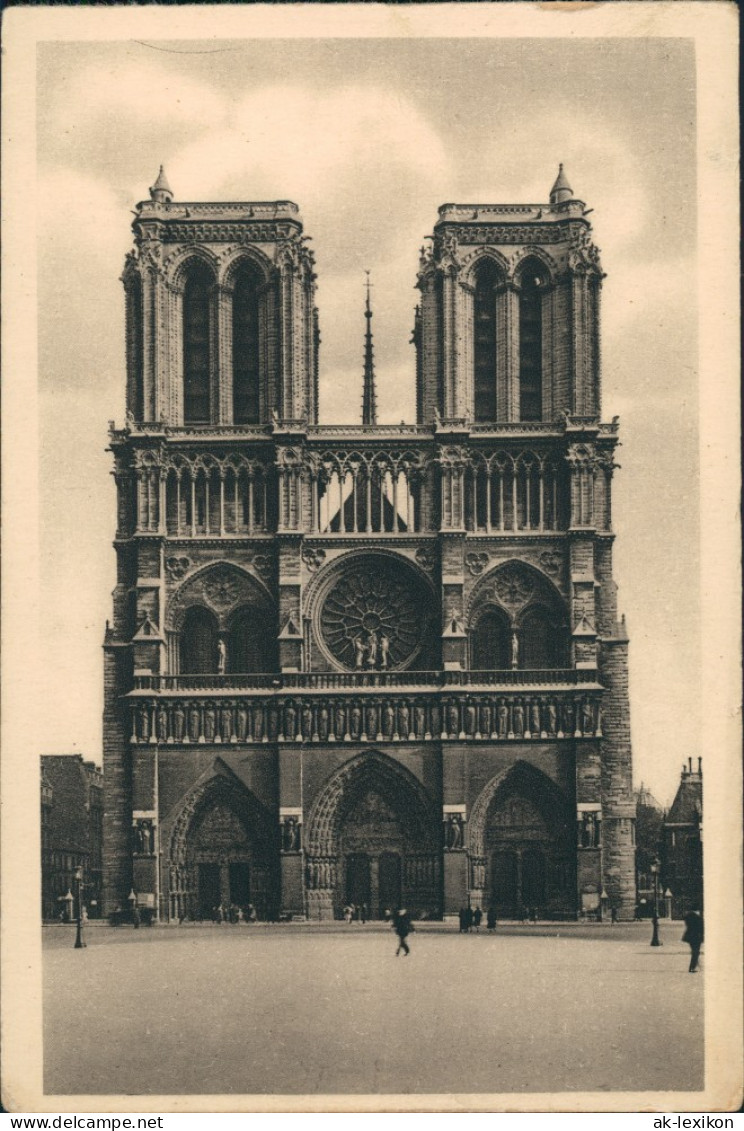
(161, 190)
(561, 190)
(369, 397)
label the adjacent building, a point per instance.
(365, 663)
(683, 843)
(71, 832)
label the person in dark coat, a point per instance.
(491, 917)
(477, 916)
(468, 919)
(693, 936)
(462, 913)
(402, 926)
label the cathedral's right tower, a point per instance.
(508, 375)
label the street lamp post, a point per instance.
(79, 940)
(655, 940)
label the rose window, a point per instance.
(373, 618)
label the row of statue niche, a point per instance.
(372, 652)
(144, 838)
(291, 830)
(228, 722)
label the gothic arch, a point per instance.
(221, 587)
(234, 261)
(524, 780)
(233, 795)
(371, 770)
(538, 585)
(520, 259)
(473, 263)
(183, 261)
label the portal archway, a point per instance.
(223, 850)
(521, 845)
(373, 838)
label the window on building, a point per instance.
(542, 642)
(199, 642)
(484, 345)
(196, 346)
(246, 348)
(531, 287)
(490, 641)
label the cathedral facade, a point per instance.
(365, 663)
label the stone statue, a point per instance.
(209, 723)
(179, 721)
(454, 831)
(226, 723)
(384, 651)
(355, 722)
(552, 718)
(470, 719)
(221, 656)
(519, 719)
(290, 723)
(241, 723)
(535, 712)
(371, 649)
(404, 717)
(514, 650)
(590, 831)
(194, 724)
(503, 720)
(485, 719)
(359, 652)
(388, 720)
(454, 719)
(257, 723)
(162, 723)
(587, 718)
(144, 723)
(371, 721)
(323, 723)
(420, 721)
(340, 722)
(307, 722)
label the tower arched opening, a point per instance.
(487, 281)
(197, 344)
(532, 283)
(246, 346)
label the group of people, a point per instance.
(353, 911)
(472, 917)
(232, 913)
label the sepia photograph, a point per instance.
(371, 585)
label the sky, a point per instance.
(369, 137)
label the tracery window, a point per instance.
(246, 348)
(490, 641)
(484, 344)
(196, 346)
(199, 642)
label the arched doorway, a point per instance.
(223, 851)
(373, 838)
(521, 832)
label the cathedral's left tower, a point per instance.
(221, 332)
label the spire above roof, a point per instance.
(161, 190)
(561, 190)
(369, 396)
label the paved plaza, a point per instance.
(314, 1008)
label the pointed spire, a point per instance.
(369, 397)
(161, 190)
(561, 190)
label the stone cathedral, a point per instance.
(365, 663)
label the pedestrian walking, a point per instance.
(468, 920)
(461, 915)
(136, 917)
(363, 913)
(402, 926)
(613, 915)
(477, 916)
(693, 936)
(491, 917)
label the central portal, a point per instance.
(373, 840)
(372, 845)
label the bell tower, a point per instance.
(508, 327)
(221, 322)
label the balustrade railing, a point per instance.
(367, 681)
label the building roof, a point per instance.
(645, 797)
(687, 807)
